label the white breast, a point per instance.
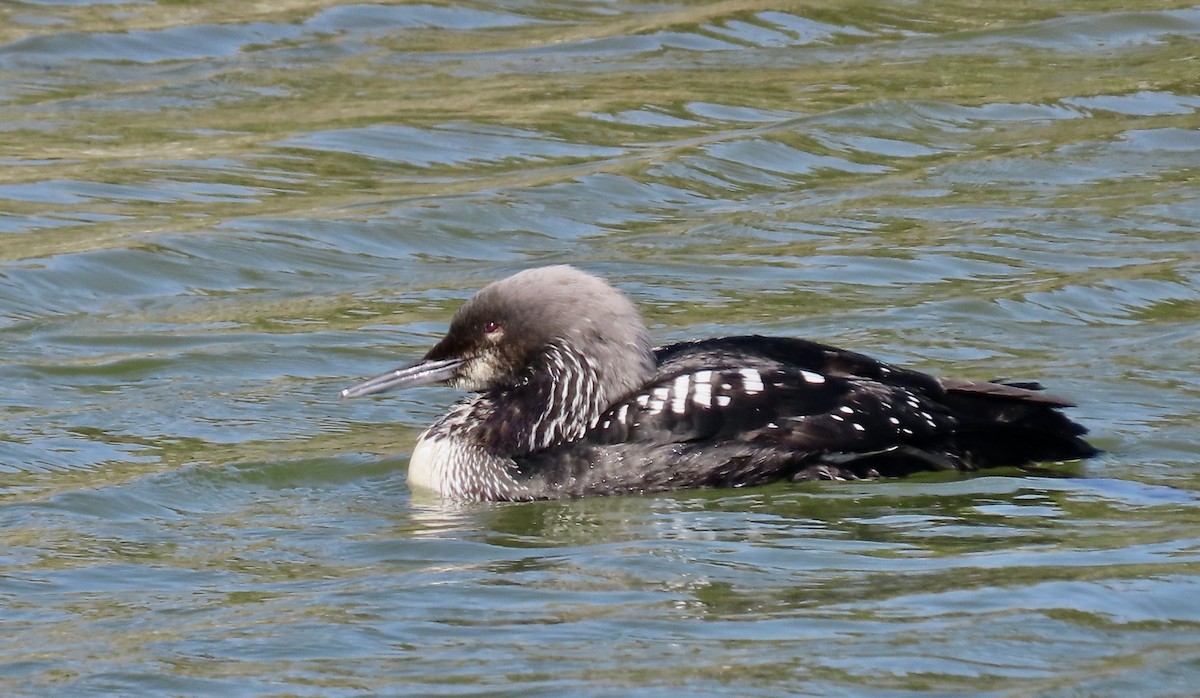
(428, 464)
(455, 468)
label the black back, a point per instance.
(737, 411)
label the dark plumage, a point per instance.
(572, 401)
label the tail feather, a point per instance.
(1013, 423)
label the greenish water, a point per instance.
(214, 215)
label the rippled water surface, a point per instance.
(214, 215)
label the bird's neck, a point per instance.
(478, 444)
(557, 400)
(472, 452)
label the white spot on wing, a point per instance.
(810, 377)
(751, 381)
(723, 400)
(679, 401)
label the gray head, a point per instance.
(518, 326)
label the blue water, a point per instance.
(213, 216)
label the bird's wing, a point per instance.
(729, 427)
(765, 403)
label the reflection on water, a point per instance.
(213, 216)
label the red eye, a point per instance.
(491, 327)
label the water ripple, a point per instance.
(217, 215)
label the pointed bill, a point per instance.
(421, 373)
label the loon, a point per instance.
(571, 401)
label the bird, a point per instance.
(569, 399)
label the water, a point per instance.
(215, 215)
